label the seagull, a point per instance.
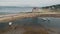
(46, 19)
(10, 23)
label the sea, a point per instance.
(50, 22)
(14, 9)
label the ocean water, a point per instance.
(9, 10)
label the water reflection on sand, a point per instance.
(53, 25)
(50, 24)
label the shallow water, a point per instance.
(51, 24)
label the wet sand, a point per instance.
(25, 30)
(33, 29)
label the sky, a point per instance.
(37, 3)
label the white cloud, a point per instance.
(28, 2)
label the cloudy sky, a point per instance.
(38, 3)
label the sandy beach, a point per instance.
(12, 17)
(25, 30)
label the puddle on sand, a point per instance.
(29, 26)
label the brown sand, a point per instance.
(28, 15)
(25, 30)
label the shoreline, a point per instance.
(13, 17)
